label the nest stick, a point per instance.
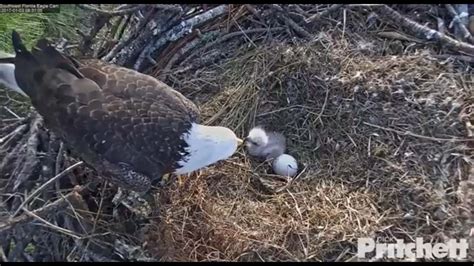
(24, 218)
(50, 225)
(290, 22)
(63, 173)
(409, 133)
(123, 43)
(462, 28)
(421, 30)
(326, 12)
(111, 13)
(179, 31)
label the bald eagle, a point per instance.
(130, 127)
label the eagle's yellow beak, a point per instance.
(239, 141)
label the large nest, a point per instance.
(378, 128)
(379, 137)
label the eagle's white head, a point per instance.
(207, 145)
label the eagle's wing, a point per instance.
(126, 83)
(110, 115)
(154, 113)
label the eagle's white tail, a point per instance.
(7, 77)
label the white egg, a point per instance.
(285, 165)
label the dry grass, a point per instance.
(345, 110)
(376, 126)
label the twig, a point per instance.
(57, 165)
(408, 133)
(10, 156)
(426, 32)
(8, 120)
(441, 25)
(176, 8)
(130, 38)
(121, 30)
(229, 36)
(99, 22)
(179, 31)
(457, 20)
(59, 158)
(364, 5)
(8, 224)
(17, 130)
(463, 11)
(189, 46)
(292, 180)
(326, 12)
(63, 173)
(115, 28)
(12, 113)
(111, 13)
(399, 36)
(243, 32)
(28, 257)
(29, 156)
(290, 22)
(81, 212)
(136, 46)
(2, 255)
(283, 109)
(178, 48)
(254, 12)
(21, 238)
(465, 58)
(324, 103)
(50, 225)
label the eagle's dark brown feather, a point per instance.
(116, 119)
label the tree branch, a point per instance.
(112, 13)
(69, 169)
(423, 31)
(131, 37)
(24, 218)
(290, 22)
(229, 36)
(326, 12)
(179, 31)
(457, 20)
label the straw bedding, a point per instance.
(379, 137)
